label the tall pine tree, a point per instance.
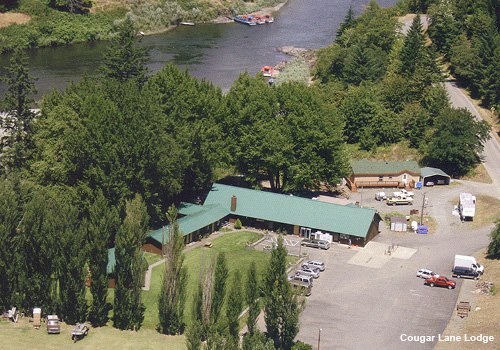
(129, 271)
(173, 293)
(413, 48)
(234, 307)
(16, 143)
(124, 61)
(252, 298)
(103, 222)
(281, 304)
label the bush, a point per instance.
(237, 224)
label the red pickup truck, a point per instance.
(440, 281)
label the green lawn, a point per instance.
(22, 335)
(238, 258)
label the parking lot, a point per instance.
(368, 300)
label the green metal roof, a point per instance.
(427, 171)
(111, 261)
(373, 167)
(201, 216)
(293, 210)
(190, 208)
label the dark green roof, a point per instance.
(427, 171)
(111, 261)
(373, 167)
(293, 210)
(200, 217)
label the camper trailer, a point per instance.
(467, 206)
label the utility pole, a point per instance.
(319, 338)
(361, 201)
(422, 213)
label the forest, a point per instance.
(103, 160)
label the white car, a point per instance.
(308, 271)
(426, 273)
(316, 263)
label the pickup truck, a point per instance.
(400, 200)
(403, 193)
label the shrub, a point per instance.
(237, 224)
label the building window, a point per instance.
(390, 177)
(344, 237)
(380, 178)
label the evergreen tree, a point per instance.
(347, 23)
(128, 308)
(443, 26)
(10, 216)
(173, 294)
(281, 304)
(494, 246)
(35, 251)
(72, 270)
(16, 143)
(73, 6)
(102, 225)
(219, 287)
(364, 64)
(413, 48)
(194, 335)
(257, 341)
(252, 298)
(124, 61)
(234, 307)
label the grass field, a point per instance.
(23, 336)
(487, 210)
(238, 258)
(479, 174)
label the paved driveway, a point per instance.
(371, 307)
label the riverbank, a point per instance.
(35, 25)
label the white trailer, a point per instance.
(468, 261)
(467, 206)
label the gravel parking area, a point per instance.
(368, 300)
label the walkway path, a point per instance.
(190, 246)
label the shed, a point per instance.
(434, 176)
(399, 224)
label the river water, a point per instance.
(216, 52)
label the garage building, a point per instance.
(434, 176)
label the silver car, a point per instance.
(309, 271)
(316, 263)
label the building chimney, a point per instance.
(233, 203)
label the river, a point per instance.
(216, 52)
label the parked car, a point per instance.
(302, 278)
(316, 243)
(316, 263)
(403, 193)
(307, 266)
(425, 273)
(380, 196)
(303, 288)
(460, 271)
(308, 272)
(53, 324)
(440, 281)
